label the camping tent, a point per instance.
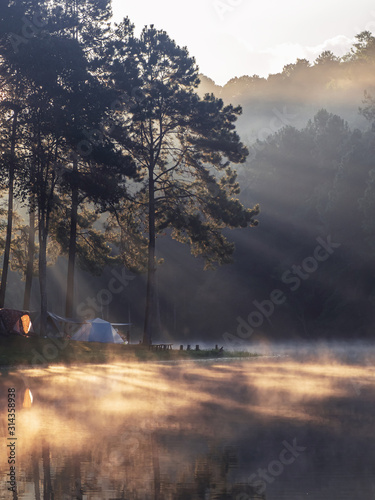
(56, 325)
(97, 330)
(12, 321)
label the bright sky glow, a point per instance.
(244, 37)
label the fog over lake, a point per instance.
(291, 425)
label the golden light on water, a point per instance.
(124, 392)
(105, 423)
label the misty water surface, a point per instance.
(280, 428)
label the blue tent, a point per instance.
(97, 330)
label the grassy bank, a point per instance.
(16, 350)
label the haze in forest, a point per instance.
(230, 38)
(307, 270)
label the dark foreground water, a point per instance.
(279, 428)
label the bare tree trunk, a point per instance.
(150, 292)
(174, 316)
(4, 275)
(157, 307)
(43, 278)
(72, 244)
(45, 204)
(30, 260)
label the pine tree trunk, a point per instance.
(4, 275)
(157, 307)
(43, 278)
(150, 292)
(72, 245)
(45, 203)
(30, 260)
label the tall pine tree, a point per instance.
(183, 146)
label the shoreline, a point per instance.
(253, 357)
(23, 352)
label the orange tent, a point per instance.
(13, 321)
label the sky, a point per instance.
(230, 38)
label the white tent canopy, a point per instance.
(97, 330)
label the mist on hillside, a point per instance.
(307, 271)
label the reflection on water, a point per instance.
(267, 428)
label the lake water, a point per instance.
(290, 427)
